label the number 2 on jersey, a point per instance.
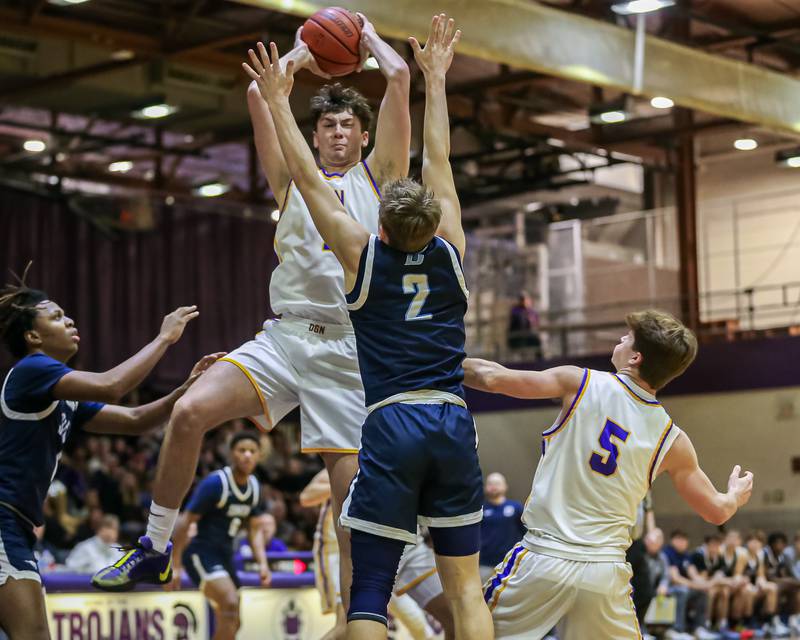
(416, 283)
(606, 463)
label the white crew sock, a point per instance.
(160, 523)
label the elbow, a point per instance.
(399, 74)
(718, 514)
(112, 393)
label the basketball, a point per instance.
(333, 35)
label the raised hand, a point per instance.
(436, 56)
(202, 365)
(367, 34)
(307, 60)
(173, 325)
(273, 80)
(742, 486)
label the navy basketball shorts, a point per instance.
(204, 563)
(418, 463)
(17, 559)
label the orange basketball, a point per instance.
(333, 36)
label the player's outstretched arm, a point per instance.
(318, 491)
(264, 134)
(389, 157)
(697, 490)
(113, 384)
(558, 382)
(136, 421)
(346, 237)
(434, 60)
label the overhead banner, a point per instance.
(156, 615)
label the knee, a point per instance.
(188, 417)
(229, 611)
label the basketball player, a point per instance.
(220, 504)
(309, 356)
(407, 299)
(41, 403)
(609, 443)
(417, 577)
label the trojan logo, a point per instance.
(184, 622)
(291, 621)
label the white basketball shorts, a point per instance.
(531, 593)
(417, 575)
(314, 365)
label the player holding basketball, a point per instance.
(407, 299)
(309, 356)
(610, 441)
(41, 403)
(220, 504)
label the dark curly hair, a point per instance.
(334, 98)
(17, 313)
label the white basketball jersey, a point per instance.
(309, 281)
(598, 461)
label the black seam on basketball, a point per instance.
(335, 37)
(340, 64)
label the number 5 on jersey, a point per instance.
(416, 283)
(606, 463)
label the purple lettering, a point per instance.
(158, 618)
(142, 624)
(58, 618)
(93, 627)
(75, 626)
(124, 625)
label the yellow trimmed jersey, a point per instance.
(598, 461)
(309, 281)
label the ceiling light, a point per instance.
(662, 102)
(123, 54)
(66, 3)
(640, 6)
(212, 189)
(275, 215)
(121, 166)
(789, 158)
(155, 111)
(34, 146)
(745, 144)
(612, 117)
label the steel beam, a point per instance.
(527, 35)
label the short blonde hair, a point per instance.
(666, 345)
(409, 214)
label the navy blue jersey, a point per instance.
(408, 312)
(33, 429)
(501, 529)
(223, 506)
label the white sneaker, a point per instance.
(779, 630)
(677, 635)
(701, 633)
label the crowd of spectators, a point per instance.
(101, 493)
(728, 587)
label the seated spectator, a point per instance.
(522, 325)
(734, 557)
(501, 527)
(97, 552)
(43, 552)
(691, 596)
(706, 568)
(778, 566)
(763, 605)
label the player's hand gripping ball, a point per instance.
(333, 36)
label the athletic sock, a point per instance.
(160, 523)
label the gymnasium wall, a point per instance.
(755, 424)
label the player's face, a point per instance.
(245, 456)
(53, 332)
(623, 352)
(339, 139)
